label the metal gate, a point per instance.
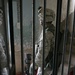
(7, 6)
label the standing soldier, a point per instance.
(49, 44)
(3, 60)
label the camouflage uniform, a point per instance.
(49, 43)
(3, 60)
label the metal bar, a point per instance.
(12, 35)
(21, 35)
(33, 37)
(18, 10)
(44, 22)
(65, 36)
(70, 55)
(58, 21)
(6, 34)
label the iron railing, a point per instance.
(57, 35)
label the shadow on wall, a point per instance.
(70, 23)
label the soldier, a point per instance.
(49, 40)
(49, 43)
(3, 60)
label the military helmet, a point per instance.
(50, 15)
